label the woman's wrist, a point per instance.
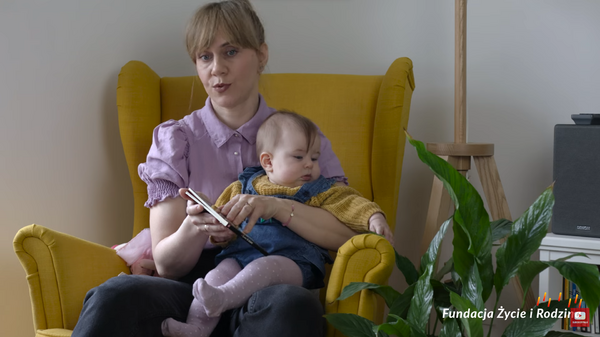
(316, 225)
(287, 222)
(285, 211)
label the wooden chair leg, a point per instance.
(492, 187)
(440, 203)
(438, 211)
(498, 206)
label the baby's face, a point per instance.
(293, 164)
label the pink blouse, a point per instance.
(202, 153)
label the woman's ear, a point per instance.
(263, 57)
(265, 161)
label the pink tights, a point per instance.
(227, 287)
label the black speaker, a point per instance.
(576, 180)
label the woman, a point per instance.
(205, 151)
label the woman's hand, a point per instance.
(204, 221)
(378, 225)
(249, 206)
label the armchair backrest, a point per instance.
(363, 116)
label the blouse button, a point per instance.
(236, 153)
(236, 135)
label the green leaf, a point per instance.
(417, 333)
(448, 267)
(587, 279)
(463, 259)
(402, 303)
(525, 238)
(535, 325)
(398, 328)
(579, 273)
(470, 216)
(422, 301)
(500, 229)
(352, 325)
(456, 280)
(473, 326)
(407, 268)
(529, 270)
(441, 294)
(428, 259)
(450, 328)
(471, 284)
(388, 293)
(472, 288)
(378, 333)
(441, 298)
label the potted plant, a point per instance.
(456, 294)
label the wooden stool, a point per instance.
(459, 156)
(459, 153)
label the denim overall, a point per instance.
(279, 240)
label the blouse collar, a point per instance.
(221, 133)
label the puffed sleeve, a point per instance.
(166, 166)
(329, 162)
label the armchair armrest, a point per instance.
(363, 258)
(60, 270)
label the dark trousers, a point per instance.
(135, 305)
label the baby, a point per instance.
(288, 145)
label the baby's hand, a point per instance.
(378, 225)
(143, 267)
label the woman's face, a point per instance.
(229, 73)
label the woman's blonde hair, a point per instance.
(237, 20)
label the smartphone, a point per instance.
(196, 197)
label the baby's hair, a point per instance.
(272, 129)
(236, 18)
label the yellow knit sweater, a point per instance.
(344, 202)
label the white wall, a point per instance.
(530, 65)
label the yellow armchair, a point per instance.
(363, 116)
